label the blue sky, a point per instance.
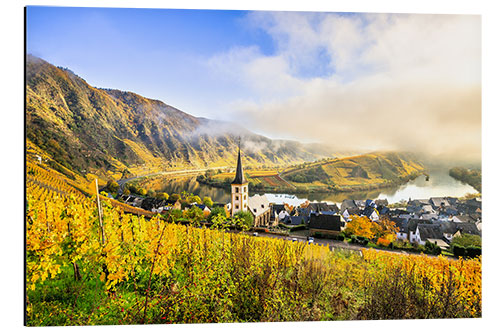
(159, 53)
(313, 77)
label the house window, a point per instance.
(245, 206)
(255, 210)
(237, 189)
(245, 189)
(236, 206)
(244, 197)
(237, 198)
(262, 206)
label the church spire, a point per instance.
(240, 178)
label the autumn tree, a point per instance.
(385, 229)
(360, 226)
(162, 195)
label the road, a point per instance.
(334, 244)
(122, 182)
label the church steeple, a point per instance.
(239, 189)
(240, 177)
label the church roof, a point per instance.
(240, 178)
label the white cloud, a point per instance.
(393, 81)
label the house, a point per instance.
(425, 232)
(412, 228)
(467, 228)
(318, 206)
(348, 212)
(326, 224)
(173, 204)
(439, 242)
(346, 204)
(439, 202)
(463, 219)
(334, 208)
(402, 225)
(205, 209)
(371, 212)
(296, 220)
(260, 208)
(381, 202)
(418, 202)
(449, 228)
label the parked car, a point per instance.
(255, 234)
(294, 239)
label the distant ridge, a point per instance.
(86, 128)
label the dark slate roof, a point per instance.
(448, 227)
(413, 223)
(381, 202)
(319, 206)
(370, 203)
(326, 222)
(296, 220)
(368, 210)
(334, 208)
(398, 211)
(347, 203)
(202, 207)
(384, 210)
(278, 208)
(240, 177)
(353, 211)
(468, 228)
(439, 201)
(401, 223)
(418, 202)
(360, 203)
(150, 203)
(430, 231)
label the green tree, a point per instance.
(244, 219)
(466, 240)
(194, 213)
(142, 191)
(112, 186)
(194, 199)
(207, 201)
(216, 211)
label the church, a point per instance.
(258, 205)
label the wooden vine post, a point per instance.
(100, 212)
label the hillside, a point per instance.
(368, 170)
(361, 172)
(89, 129)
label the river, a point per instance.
(439, 184)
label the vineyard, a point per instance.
(133, 269)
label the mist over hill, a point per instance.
(83, 127)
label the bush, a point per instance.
(472, 251)
(458, 250)
(247, 217)
(432, 248)
(215, 212)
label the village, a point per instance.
(416, 222)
